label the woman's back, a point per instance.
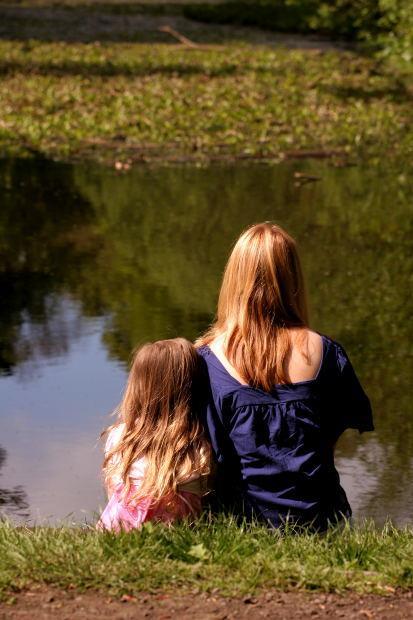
(281, 394)
(302, 362)
(275, 448)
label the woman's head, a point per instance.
(262, 297)
(263, 280)
(161, 411)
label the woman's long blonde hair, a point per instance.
(161, 415)
(262, 298)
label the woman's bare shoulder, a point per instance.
(314, 344)
(306, 355)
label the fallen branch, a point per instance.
(177, 35)
(319, 154)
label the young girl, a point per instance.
(282, 394)
(157, 459)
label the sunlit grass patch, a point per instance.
(213, 553)
(71, 99)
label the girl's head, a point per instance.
(262, 297)
(161, 413)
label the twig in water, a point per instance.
(303, 178)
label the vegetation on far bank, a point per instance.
(62, 100)
(382, 26)
(212, 554)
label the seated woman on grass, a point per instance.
(157, 459)
(281, 394)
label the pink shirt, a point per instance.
(124, 513)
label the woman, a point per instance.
(281, 394)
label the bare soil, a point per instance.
(43, 603)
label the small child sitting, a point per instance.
(157, 458)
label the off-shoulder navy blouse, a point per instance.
(275, 449)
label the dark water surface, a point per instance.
(93, 262)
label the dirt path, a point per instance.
(80, 24)
(45, 603)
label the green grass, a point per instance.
(100, 100)
(211, 554)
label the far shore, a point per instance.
(96, 83)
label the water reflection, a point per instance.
(140, 256)
(12, 501)
(42, 218)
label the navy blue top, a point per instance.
(275, 449)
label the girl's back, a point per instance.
(157, 458)
(126, 512)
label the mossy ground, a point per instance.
(69, 92)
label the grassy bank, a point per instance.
(72, 99)
(225, 97)
(218, 554)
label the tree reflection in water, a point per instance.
(147, 249)
(42, 245)
(12, 501)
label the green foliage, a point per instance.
(212, 553)
(396, 42)
(383, 24)
(347, 18)
(65, 100)
(340, 18)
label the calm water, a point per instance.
(93, 262)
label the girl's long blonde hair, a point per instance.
(161, 413)
(262, 298)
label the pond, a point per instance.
(95, 261)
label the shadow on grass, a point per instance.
(106, 22)
(92, 21)
(109, 69)
(397, 93)
(20, 30)
(114, 7)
